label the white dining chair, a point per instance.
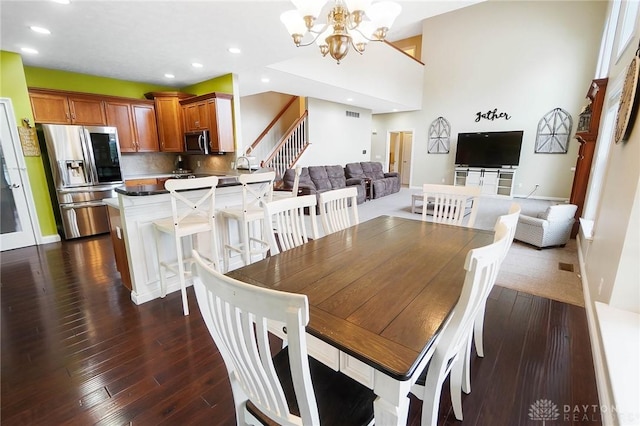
(448, 359)
(189, 217)
(339, 209)
(257, 189)
(450, 203)
(294, 189)
(510, 220)
(285, 222)
(289, 388)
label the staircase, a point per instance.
(281, 152)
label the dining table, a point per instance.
(379, 293)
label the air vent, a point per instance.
(353, 114)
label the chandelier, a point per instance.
(350, 23)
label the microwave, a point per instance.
(197, 142)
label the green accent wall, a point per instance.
(223, 84)
(13, 85)
(65, 80)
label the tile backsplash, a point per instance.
(134, 164)
(147, 163)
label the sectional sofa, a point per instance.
(364, 175)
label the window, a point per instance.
(628, 28)
(606, 46)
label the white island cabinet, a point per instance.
(139, 206)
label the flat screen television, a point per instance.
(489, 149)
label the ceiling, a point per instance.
(142, 40)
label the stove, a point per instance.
(181, 172)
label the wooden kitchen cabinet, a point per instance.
(212, 112)
(169, 119)
(196, 116)
(136, 124)
(221, 124)
(59, 107)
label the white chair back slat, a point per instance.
(510, 220)
(286, 223)
(339, 209)
(450, 203)
(236, 315)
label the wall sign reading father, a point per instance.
(491, 115)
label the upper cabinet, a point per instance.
(136, 124)
(55, 107)
(169, 119)
(195, 116)
(211, 112)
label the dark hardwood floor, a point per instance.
(75, 350)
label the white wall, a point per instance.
(523, 58)
(334, 137)
(257, 112)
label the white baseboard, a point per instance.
(560, 199)
(602, 382)
(48, 239)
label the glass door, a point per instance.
(105, 153)
(16, 229)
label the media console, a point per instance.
(492, 181)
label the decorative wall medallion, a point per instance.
(554, 130)
(491, 115)
(439, 136)
(628, 102)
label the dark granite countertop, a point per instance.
(142, 190)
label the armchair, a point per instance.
(549, 228)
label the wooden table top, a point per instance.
(379, 291)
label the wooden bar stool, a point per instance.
(257, 189)
(191, 215)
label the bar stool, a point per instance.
(189, 218)
(257, 189)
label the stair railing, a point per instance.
(285, 154)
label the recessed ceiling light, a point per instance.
(39, 30)
(234, 50)
(170, 75)
(395, 110)
(196, 65)
(349, 99)
(264, 80)
(29, 50)
(61, 1)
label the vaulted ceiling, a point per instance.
(142, 40)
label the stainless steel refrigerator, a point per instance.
(85, 169)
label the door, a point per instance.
(16, 226)
(405, 171)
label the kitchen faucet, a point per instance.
(246, 159)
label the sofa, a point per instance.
(381, 183)
(318, 179)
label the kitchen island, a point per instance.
(132, 215)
